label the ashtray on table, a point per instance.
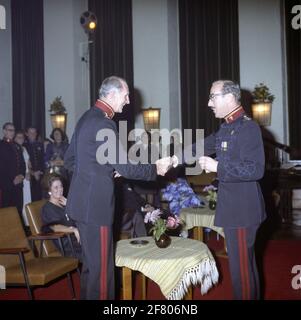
(139, 243)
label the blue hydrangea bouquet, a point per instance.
(180, 195)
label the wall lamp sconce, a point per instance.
(151, 118)
(262, 113)
(58, 114)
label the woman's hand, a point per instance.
(76, 233)
(62, 201)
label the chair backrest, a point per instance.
(33, 212)
(200, 181)
(12, 235)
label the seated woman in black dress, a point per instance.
(56, 219)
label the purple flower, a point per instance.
(209, 188)
(152, 216)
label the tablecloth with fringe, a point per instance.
(184, 263)
(200, 217)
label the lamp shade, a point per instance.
(151, 118)
(59, 120)
(262, 113)
(88, 21)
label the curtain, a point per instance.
(112, 49)
(28, 64)
(293, 56)
(209, 50)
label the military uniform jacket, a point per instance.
(240, 154)
(11, 164)
(36, 155)
(91, 193)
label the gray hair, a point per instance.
(110, 84)
(229, 86)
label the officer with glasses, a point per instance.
(12, 170)
(239, 163)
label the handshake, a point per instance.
(206, 163)
(164, 164)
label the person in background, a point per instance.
(55, 151)
(45, 143)
(130, 211)
(56, 219)
(19, 139)
(36, 156)
(150, 147)
(12, 170)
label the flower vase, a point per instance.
(212, 205)
(164, 241)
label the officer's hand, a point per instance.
(208, 164)
(163, 165)
(116, 174)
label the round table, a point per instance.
(184, 263)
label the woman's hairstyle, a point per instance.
(52, 179)
(63, 134)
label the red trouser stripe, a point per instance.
(246, 265)
(241, 262)
(243, 259)
(104, 263)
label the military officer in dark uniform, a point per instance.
(12, 170)
(35, 150)
(91, 195)
(239, 164)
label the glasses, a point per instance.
(213, 95)
(10, 129)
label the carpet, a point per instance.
(278, 259)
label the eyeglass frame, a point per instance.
(213, 95)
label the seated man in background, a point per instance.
(130, 211)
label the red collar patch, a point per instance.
(103, 106)
(235, 114)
